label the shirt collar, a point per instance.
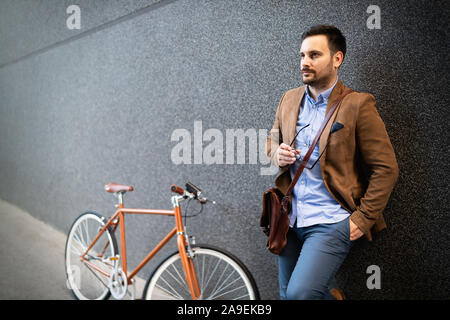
(323, 96)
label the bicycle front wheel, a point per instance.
(89, 279)
(220, 275)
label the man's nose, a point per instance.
(305, 62)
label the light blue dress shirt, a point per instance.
(311, 202)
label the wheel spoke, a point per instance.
(75, 250)
(175, 291)
(79, 236)
(239, 298)
(203, 273)
(220, 278)
(229, 284)
(243, 286)
(86, 230)
(214, 271)
(181, 281)
(169, 293)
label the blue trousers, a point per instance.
(311, 258)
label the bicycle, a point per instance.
(95, 268)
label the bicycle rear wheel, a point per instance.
(221, 276)
(89, 281)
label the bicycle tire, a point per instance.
(75, 282)
(241, 287)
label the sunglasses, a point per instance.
(335, 127)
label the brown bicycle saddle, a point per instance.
(115, 187)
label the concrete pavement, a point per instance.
(32, 258)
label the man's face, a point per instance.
(316, 61)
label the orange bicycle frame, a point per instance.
(187, 262)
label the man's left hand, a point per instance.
(355, 232)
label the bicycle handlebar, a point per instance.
(177, 189)
(193, 195)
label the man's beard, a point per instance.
(311, 80)
(316, 82)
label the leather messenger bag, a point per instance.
(276, 206)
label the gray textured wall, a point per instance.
(79, 108)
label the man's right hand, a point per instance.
(286, 155)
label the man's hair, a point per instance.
(336, 40)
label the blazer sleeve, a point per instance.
(275, 138)
(379, 157)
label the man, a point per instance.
(341, 197)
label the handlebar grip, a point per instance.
(176, 189)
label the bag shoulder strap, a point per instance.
(316, 139)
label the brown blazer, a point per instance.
(358, 167)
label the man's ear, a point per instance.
(338, 58)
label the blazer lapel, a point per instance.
(293, 113)
(337, 90)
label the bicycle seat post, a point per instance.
(119, 196)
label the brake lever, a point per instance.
(204, 200)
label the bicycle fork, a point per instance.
(186, 259)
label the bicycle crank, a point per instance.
(118, 284)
